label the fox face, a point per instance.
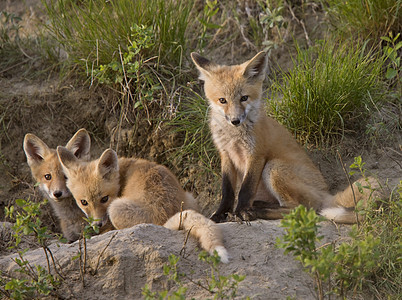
(233, 92)
(94, 185)
(45, 166)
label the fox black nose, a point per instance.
(235, 122)
(98, 223)
(57, 194)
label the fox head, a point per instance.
(94, 184)
(45, 166)
(233, 91)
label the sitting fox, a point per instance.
(46, 170)
(260, 159)
(130, 191)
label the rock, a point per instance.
(130, 258)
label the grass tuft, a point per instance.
(330, 86)
(373, 18)
(93, 31)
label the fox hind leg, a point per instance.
(124, 213)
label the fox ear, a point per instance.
(108, 163)
(80, 144)
(203, 65)
(35, 149)
(67, 159)
(255, 68)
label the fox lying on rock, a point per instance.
(130, 191)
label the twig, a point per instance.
(100, 255)
(47, 259)
(300, 22)
(81, 269)
(85, 255)
(351, 186)
(181, 216)
(200, 285)
(183, 249)
(13, 66)
(54, 263)
(248, 43)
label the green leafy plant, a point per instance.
(329, 86)
(211, 8)
(129, 63)
(368, 260)
(171, 272)
(221, 287)
(391, 52)
(41, 281)
(340, 267)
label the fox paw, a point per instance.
(219, 218)
(243, 216)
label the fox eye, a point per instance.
(243, 98)
(48, 176)
(84, 202)
(222, 100)
(104, 199)
(65, 177)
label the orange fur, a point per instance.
(47, 171)
(123, 192)
(261, 161)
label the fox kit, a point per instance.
(130, 191)
(47, 171)
(261, 162)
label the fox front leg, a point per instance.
(248, 190)
(229, 177)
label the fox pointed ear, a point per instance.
(80, 144)
(203, 65)
(35, 149)
(255, 68)
(67, 159)
(108, 163)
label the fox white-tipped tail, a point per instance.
(339, 215)
(202, 228)
(344, 202)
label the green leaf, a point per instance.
(391, 73)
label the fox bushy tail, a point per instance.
(202, 228)
(343, 203)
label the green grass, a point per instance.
(373, 18)
(93, 31)
(329, 87)
(384, 222)
(191, 121)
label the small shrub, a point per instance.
(221, 287)
(368, 260)
(37, 281)
(342, 267)
(329, 86)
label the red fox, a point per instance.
(130, 191)
(261, 161)
(47, 171)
